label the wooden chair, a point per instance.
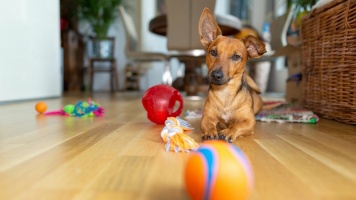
(135, 55)
(112, 69)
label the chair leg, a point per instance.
(191, 78)
(112, 90)
(113, 78)
(167, 76)
(90, 75)
(116, 79)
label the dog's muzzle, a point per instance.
(217, 77)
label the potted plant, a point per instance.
(299, 8)
(304, 4)
(302, 8)
(100, 15)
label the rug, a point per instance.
(284, 112)
(275, 112)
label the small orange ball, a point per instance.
(41, 107)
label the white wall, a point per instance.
(30, 49)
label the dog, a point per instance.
(233, 97)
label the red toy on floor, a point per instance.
(159, 102)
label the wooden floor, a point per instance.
(121, 156)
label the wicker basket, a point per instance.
(329, 56)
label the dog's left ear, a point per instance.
(254, 47)
(208, 28)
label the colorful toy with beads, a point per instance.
(173, 135)
(81, 109)
(218, 170)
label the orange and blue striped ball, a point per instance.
(218, 170)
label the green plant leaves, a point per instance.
(100, 14)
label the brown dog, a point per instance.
(233, 96)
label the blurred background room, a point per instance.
(51, 47)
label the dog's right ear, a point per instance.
(254, 46)
(208, 28)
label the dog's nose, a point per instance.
(217, 75)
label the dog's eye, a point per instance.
(236, 57)
(213, 53)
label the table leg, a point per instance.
(192, 76)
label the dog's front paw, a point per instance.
(210, 136)
(225, 135)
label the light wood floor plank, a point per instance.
(334, 141)
(46, 195)
(280, 182)
(310, 171)
(343, 165)
(85, 166)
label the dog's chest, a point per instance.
(226, 116)
(229, 106)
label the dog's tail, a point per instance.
(251, 84)
(257, 102)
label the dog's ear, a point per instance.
(254, 47)
(208, 28)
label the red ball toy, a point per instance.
(159, 102)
